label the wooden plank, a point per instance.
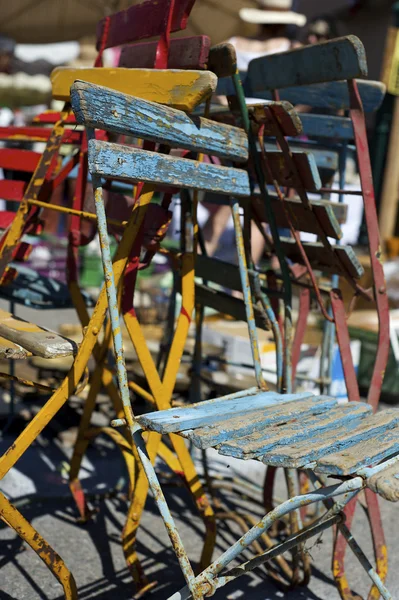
(17, 159)
(386, 482)
(322, 259)
(228, 305)
(303, 219)
(324, 157)
(341, 438)
(305, 164)
(223, 60)
(342, 58)
(100, 107)
(184, 53)
(180, 89)
(223, 430)
(362, 454)
(145, 20)
(210, 411)
(265, 440)
(132, 164)
(10, 350)
(332, 95)
(37, 340)
(327, 126)
(12, 190)
(285, 114)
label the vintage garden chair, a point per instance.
(129, 231)
(334, 440)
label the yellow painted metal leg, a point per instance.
(13, 518)
(52, 406)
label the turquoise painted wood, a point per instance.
(131, 164)
(290, 434)
(322, 259)
(213, 411)
(341, 438)
(326, 126)
(100, 107)
(342, 58)
(213, 435)
(362, 454)
(333, 95)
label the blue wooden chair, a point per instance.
(290, 430)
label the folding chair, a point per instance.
(325, 439)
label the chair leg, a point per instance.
(13, 518)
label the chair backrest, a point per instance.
(184, 53)
(153, 18)
(99, 107)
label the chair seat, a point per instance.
(290, 430)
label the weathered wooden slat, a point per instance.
(324, 158)
(10, 350)
(181, 89)
(17, 159)
(220, 432)
(386, 482)
(228, 305)
(362, 454)
(290, 434)
(100, 107)
(305, 164)
(131, 164)
(327, 126)
(223, 60)
(184, 53)
(341, 438)
(145, 20)
(330, 214)
(12, 190)
(332, 95)
(37, 340)
(210, 411)
(322, 259)
(342, 58)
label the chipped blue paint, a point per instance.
(211, 411)
(342, 58)
(326, 126)
(354, 459)
(103, 108)
(340, 439)
(290, 434)
(133, 164)
(247, 425)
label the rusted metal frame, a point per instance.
(380, 293)
(343, 339)
(379, 544)
(38, 386)
(206, 582)
(133, 427)
(161, 56)
(79, 213)
(13, 518)
(247, 294)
